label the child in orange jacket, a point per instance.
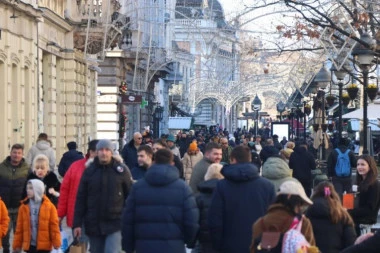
(36, 216)
(4, 221)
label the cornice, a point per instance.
(56, 19)
(25, 8)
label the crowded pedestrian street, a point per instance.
(189, 126)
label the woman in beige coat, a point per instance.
(191, 157)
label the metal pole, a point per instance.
(257, 121)
(304, 121)
(340, 121)
(365, 101)
(292, 119)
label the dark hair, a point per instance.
(301, 144)
(371, 176)
(242, 154)
(290, 202)
(17, 146)
(42, 136)
(163, 156)
(343, 142)
(148, 150)
(92, 145)
(212, 145)
(161, 142)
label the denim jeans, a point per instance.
(12, 224)
(106, 243)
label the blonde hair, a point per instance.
(290, 145)
(40, 159)
(213, 171)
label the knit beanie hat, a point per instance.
(193, 146)
(106, 144)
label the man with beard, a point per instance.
(144, 160)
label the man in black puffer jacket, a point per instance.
(160, 214)
(103, 188)
(302, 163)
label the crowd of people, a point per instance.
(204, 190)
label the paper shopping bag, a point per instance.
(349, 200)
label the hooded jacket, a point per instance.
(189, 162)
(100, 197)
(129, 154)
(329, 237)
(67, 159)
(267, 152)
(280, 217)
(4, 221)
(238, 201)
(198, 173)
(50, 181)
(69, 189)
(48, 235)
(302, 163)
(42, 147)
(160, 213)
(12, 182)
(332, 160)
(277, 171)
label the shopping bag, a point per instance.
(77, 247)
(350, 200)
(64, 240)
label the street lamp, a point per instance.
(363, 56)
(256, 106)
(298, 112)
(280, 108)
(340, 75)
(157, 117)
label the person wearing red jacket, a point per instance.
(70, 184)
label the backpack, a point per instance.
(343, 165)
(292, 241)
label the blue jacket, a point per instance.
(160, 213)
(238, 201)
(67, 159)
(129, 154)
(138, 172)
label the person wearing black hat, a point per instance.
(69, 157)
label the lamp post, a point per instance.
(340, 75)
(256, 106)
(297, 103)
(280, 108)
(363, 57)
(157, 117)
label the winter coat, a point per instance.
(67, 159)
(329, 237)
(42, 147)
(189, 161)
(267, 152)
(204, 198)
(12, 182)
(255, 159)
(129, 154)
(302, 163)
(333, 157)
(69, 189)
(138, 172)
(280, 217)
(369, 203)
(49, 235)
(50, 181)
(100, 197)
(160, 213)
(198, 173)
(183, 144)
(238, 201)
(226, 155)
(277, 171)
(175, 151)
(178, 164)
(4, 221)
(371, 245)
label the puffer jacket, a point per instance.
(277, 171)
(12, 182)
(204, 198)
(100, 197)
(69, 189)
(42, 147)
(329, 237)
(238, 201)
(48, 236)
(50, 181)
(67, 159)
(281, 218)
(4, 221)
(189, 162)
(129, 154)
(160, 213)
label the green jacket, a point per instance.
(12, 182)
(276, 170)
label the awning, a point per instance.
(355, 124)
(179, 123)
(372, 109)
